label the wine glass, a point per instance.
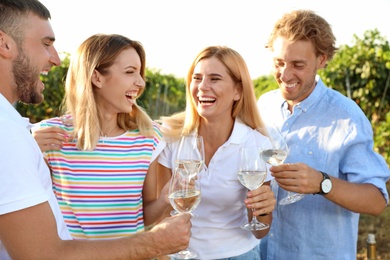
(276, 156)
(252, 173)
(190, 155)
(184, 196)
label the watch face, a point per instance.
(326, 185)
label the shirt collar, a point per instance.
(239, 130)
(9, 111)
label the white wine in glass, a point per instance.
(276, 156)
(190, 156)
(252, 173)
(184, 196)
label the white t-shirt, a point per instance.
(24, 176)
(216, 231)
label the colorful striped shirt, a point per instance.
(100, 191)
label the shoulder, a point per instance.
(248, 135)
(343, 106)
(272, 94)
(269, 100)
(55, 121)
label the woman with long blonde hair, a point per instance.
(221, 107)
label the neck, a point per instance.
(214, 136)
(110, 132)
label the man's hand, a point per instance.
(50, 138)
(297, 177)
(173, 233)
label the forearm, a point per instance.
(266, 218)
(360, 198)
(141, 246)
(156, 210)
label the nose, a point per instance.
(285, 73)
(203, 85)
(140, 82)
(54, 57)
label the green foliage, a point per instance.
(362, 72)
(382, 137)
(54, 92)
(264, 84)
(163, 95)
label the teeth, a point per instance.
(132, 94)
(206, 99)
(291, 85)
(44, 72)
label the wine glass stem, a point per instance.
(254, 219)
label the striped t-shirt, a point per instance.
(100, 191)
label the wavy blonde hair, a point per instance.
(305, 25)
(99, 52)
(244, 109)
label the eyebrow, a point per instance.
(209, 75)
(293, 61)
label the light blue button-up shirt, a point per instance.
(330, 133)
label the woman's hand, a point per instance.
(262, 200)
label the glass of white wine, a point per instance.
(190, 156)
(276, 156)
(184, 196)
(252, 173)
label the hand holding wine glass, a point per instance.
(184, 188)
(184, 196)
(276, 156)
(252, 174)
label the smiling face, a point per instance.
(213, 89)
(116, 91)
(295, 68)
(36, 56)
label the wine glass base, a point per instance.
(291, 199)
(254, 226)
(184, 254)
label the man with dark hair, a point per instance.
(31, 224)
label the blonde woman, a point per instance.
(221, 107)
(103, 162)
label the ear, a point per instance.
(7, 45)
(238, 91)
(97, 79)
(322, 59)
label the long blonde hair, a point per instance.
(99, 52)
(244, 109)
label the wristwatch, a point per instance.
(326, 184)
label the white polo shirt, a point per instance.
(24, 176)
(216, 231)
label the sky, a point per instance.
(174, 31)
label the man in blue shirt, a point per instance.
(330, 149)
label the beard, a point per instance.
(26, 80)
